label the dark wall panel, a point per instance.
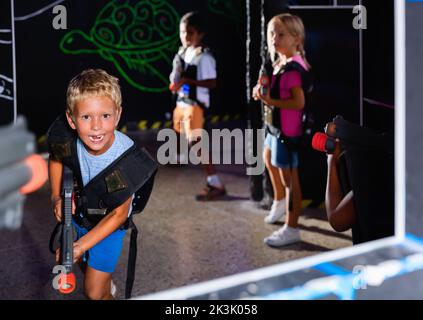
(138, 49)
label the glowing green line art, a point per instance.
(139, 37)
(231, 9)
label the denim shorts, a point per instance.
(281, 157)
(104, 256)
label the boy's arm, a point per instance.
(104, 228)
(208, 83)
(55, 171)
(207, 75)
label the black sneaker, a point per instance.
(211, 193)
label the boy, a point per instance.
(93, 111)
(197, 75)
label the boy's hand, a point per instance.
(77, 253)
(57, 207)
(176, 86)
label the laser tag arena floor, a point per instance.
(181, 241)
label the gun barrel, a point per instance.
(67, 231)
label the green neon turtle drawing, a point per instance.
(138, 36)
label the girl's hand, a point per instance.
(258, 96)
(256, 91)
(265, 98)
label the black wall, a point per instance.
(378, 52)
(44, 70)
(6, 69)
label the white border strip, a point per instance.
(15, 105)
(400, 105)
(267, 272)
(5, 42)
(5, 30)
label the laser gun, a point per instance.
(349, 134)
(67, 281)
(264, 81)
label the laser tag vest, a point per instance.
(272, 117)
(130, 174)
(188, 93)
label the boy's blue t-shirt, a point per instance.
(92, 165)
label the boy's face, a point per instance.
(95, 120)
(190, 36)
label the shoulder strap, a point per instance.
(61, 142)
(120, 180)
(305, 75)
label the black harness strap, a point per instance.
(132, 259)
(190, 72)
(56, 231)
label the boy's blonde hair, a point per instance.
(92, 83)
(295, 26)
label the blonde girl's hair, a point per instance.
(92, 83)
(295, 26)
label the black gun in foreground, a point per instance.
(349, 134)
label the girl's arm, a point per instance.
(104, 228)
(339, 209)
(296, 102)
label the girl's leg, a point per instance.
(291, 181)
(278, 190)
(97, 284)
